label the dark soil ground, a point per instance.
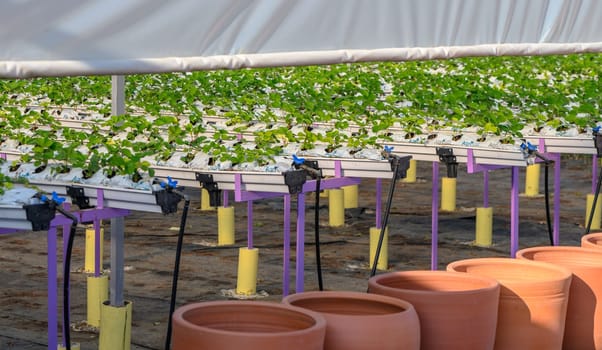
(207, 271)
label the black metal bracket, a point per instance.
(401, 163)
(167, 200)
(206, 181)
(598, 142)
(40, 215)
(295, 179)
(78, 197)
(310, 167)
(446, 155)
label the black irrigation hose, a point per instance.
(592, 210)
(66, 278)
(317, 235)
(385, 221)
(176, 271)
(547, 200)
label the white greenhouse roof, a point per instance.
(70, 37)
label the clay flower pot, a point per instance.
(250, 325)
(456, 310)
(592, 240)
(533, 300)
(583, 328)
(362, 321)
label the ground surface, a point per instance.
(207, 271)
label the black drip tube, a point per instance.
(317, 235)
(547, 201)
(176, 269)
(592, 210)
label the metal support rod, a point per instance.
(435, 217)
(225, 198)
(250, 224)
(300, 261)
(556, 199)
(379, 185)
(594, 172)
(117, 94)
(52, 288)
(286, 256)
(486, 189)
(117, 261)
(66, 236)
(514, 213)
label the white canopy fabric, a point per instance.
(74, 37)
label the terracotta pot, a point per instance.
(592, 240)
(249, 325)
(583, 328)
(362, 321)
(456, 310)
(533, 301)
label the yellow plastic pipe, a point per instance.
(90, 253)
(597, 212)
(205, 201)
(484, 227)
(383, 258)
(532, 180)
(248, 261)
(225, 226)
(324, 194)
(350, 196)
(336, 208)
(410, 173)
(98, 293)
(448, 193)
(115, 327)
(74, 346)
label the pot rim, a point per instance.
(350, 296)
(564, 251)
(562, 272)
(588, 238)
(178, 316)
(488, 284)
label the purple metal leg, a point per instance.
(556, 199)
(486, 189)
(379, 185)
(225, 198)
(435, 217)
(250, 224)
(514, 213)
(99, 243)
(287, 245)
(300, 264)
(52, 289)
(66, 235)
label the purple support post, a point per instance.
(100, 198)
(225, 198)
(52, 288)
(300, 264)
(556, 232)
(514, 213)
(66, 236)
(250, 224)
(435, 217)
(99, 243)
(594, 172)
(486, 189)
(286, 256)
(379, 185)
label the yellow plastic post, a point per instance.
(383, 258)
(74, 346)
(90, 253)
(324, 194)
(350, 196)
(98, 293)
(484, 227)
(336, 208)
(532, 180)
(225, 225)
(410, 173)
(597, 212)
(448, 193)
(205, 201)
(115, 327)
(248, 261)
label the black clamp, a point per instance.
(295, 179)
(401, 163)
(598, 140)
(206, 182)
(40, 215)
(78, 197)
(446, 155)
(169, 196)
